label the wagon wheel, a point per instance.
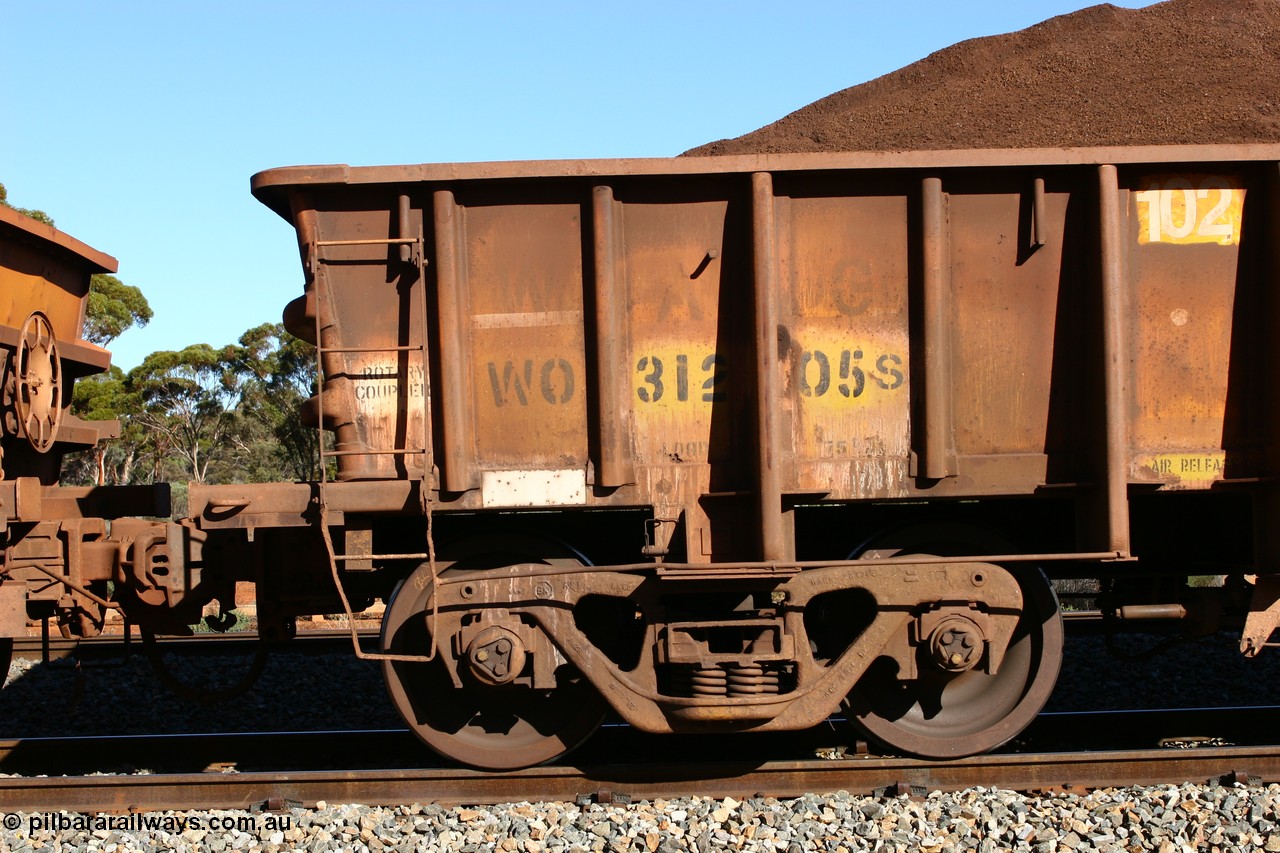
(493, 727)
(38, 374)
(947, 715)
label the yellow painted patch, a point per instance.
(851, 392)
(842, 373)
(1189, 208)
(674, 387)
(1189, 470)
(678, 377)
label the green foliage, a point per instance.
(189, 397)
(277, 373)
(114, 307)
(104, 396)
(107, 396)
(205, 414)
(1204, 581)
(37, 215)
(179, 497)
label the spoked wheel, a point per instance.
(504, 727)
(39, 383)
(943, 714)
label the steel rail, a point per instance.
(268, 768)
(623, 783)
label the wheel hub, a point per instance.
(956, 644)
(37, 378)
(496, 655)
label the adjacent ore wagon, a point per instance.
(726, 444)
(58, 552)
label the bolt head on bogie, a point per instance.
(956, 644)
(496, 656)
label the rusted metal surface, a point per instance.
(365, 766)
(43, 269)
(936, 449)
(616, 466)
(774, 545)
(722, 345)
(664, 252)
(60, 549)
(457, 423)
(266, 185)
(1114, 335)
(38, 383)
(705, 674)
(742, 780)
(44, 288)
(1264, 616)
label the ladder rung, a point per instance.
(389, 241)
(341, 557)
(412, 248)
(399, 451)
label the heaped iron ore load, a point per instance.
(60, 552)
(1171, 73)
(726, 444)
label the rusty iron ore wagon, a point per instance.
(730, 444)
(60, 551)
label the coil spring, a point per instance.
(753, 681)
(757, 680)
(711, 681)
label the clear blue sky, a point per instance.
(136, 125)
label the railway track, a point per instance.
(276, 770)
(624, 783)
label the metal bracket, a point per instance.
(1237, 777)
(276, 805)
(603, 797)
(900, 789)
(1264, 615)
